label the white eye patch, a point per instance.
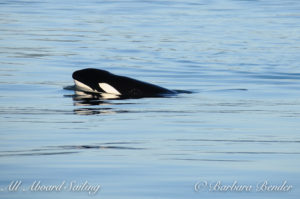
(109, 89)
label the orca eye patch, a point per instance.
(109, 89)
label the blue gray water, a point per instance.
(241, 123)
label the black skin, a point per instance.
(128, 87)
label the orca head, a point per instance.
(102, 82)
(94, 80)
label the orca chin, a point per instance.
(102, 82)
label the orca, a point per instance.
(95, 81)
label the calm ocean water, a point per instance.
(241, 123)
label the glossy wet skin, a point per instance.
(103, 81)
